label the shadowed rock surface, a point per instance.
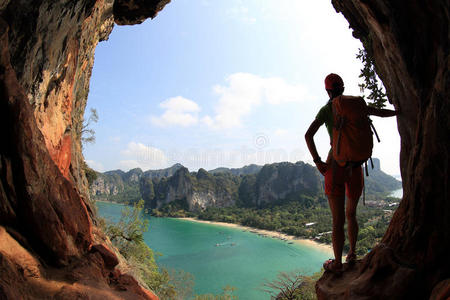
(50, 247)
(47, 225)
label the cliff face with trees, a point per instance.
(45, 216)
(249, 186)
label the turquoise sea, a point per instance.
(219, 256)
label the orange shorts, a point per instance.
(347, 181)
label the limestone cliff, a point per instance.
(247, 186)
(131, 186)
(197, 190)
(284, 181)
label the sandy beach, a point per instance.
(272, 234)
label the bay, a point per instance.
(219, 256)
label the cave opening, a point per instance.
(46, 62)
(172, 98)
(251, 81)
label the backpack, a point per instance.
(352, 134)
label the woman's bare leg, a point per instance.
(338, 237)
(352, 223)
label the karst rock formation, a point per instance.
(50, 246)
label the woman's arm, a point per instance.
(379, 112)
(309, 137)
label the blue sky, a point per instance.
(222, 83)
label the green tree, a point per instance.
(91, 175)
(87, 133)
(377, 94)
(128, 236)
(130, 228)
(227, 294)
(292, 286)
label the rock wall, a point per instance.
(52, 54)
(410, 43)
(47, 53)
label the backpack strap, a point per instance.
(338, 122)
(374, 131)
(364, 192)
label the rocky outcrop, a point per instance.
(24, 276)
(197, 190)
(245, 170)
(136, 11)
(410, 44)
(280, 182)
(131, 186)
(176, 187)
(286, 181)
(101, 187)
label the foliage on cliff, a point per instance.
(292, 286)
(371, 82)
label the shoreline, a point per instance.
(325, 248)
(106, 201)
(271, 234)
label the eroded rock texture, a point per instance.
(410, 43)
(49, 247)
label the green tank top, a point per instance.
(325, 115)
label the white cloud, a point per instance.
(178, 111)
(128, 164)
(137, 155)
(208, 121)
(180, 104)
(246, 91)
(240, 12)
(280, 132)
(95, 165)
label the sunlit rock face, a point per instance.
(410, 44)
(46, 59)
